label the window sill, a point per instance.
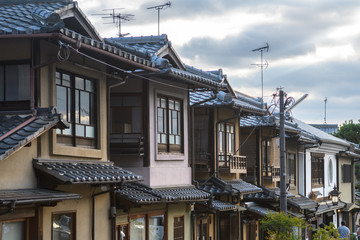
(170, 157)
(70, 151)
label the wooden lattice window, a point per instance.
(179, 228)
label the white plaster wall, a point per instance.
(301, 171)
(329, 180)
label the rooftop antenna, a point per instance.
(158, 8)
(262, 65)
(117, 18)
(325, 110)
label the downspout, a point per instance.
(337, 183)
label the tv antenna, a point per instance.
(117, 18)
(325, 101)
(158, 8)
(262, 65)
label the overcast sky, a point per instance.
(314, 46)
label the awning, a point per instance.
(350, 206)
(302, 202)
(32, 196)
(83, 172)
(142, 194)
(224, 206)
(325, 207)
(258, 209)
(218, 186)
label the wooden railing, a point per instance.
(127, 144)
(232, 163)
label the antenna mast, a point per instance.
(262, 65)
(117, 18)
(325, 110)
(158, 8)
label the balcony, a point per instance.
(232, 163)
(127, 144)
(271, 173)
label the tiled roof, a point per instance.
(200, 98)
(151, 44)
(258, 209)
(302, 202)
(213, 75)
(267, 121)
(223, 206)
(18, 130)
(328, 206)
(31, 196)
(323, 136)
(17, 16)
(80, 172)
(142, 194)
(217, 187)
(267, 194)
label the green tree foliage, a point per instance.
(349, 131)
(326, 233)
(281, 226)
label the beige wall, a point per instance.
(344, 188)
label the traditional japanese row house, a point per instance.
(218, 165)
(149, 128)
(77, 113)
(329, 171)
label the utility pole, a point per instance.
(283, 200)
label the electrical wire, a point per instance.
(114, 67)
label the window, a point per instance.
(126, 114)
(151, 225)
(169, 124)
(266, 157)
(63, 226)
(346, 173)
(122, 232)
(291, 168)
(13, 230)
(179, 228)
(226, 135)
(76, 100)
(15, 86)
(317, 169)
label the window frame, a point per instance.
(73, 101)
(73, 223)
(25, 220)
(346, 171)
(166, 146)
(183, 227)
(223, 140)
(147, 216)
(13, 105)
(290, 172)
(317, 170)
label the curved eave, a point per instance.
(194, 79)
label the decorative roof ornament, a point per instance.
(49, 20)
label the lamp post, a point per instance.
(335, 195)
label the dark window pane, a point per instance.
(77, 106)
(63, 226)
(89, 86)
(17, 81)
(66, 80)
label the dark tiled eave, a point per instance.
(31, 196)
(82, 172)
(141, 194)
(302, 202)
(22, 129)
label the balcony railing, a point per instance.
(127, 144)
(271, 173)
(232, 163)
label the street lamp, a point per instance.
(335, 195)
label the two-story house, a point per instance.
(218, 165)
